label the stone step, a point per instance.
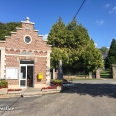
(14, 92)
(31, 94)
(49, 90)
(3, 91)
(9, 95)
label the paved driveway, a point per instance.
(82, 100)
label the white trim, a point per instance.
(36, 30)
(2, 63)
(13, 32)
(26, 64)
(7, 36)
(49, 51)
(48, 74)
(2, 48)
(19, 73)
(18, 28)
(26, 74)
(27, 22)
(40, 35)
(12, 67)
(45, 40)
(2, 41)
(25, 77)
(24, 55)
(29, 37)
(49, 45)
(25, 49)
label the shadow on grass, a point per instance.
(93, 90)
(107, 77)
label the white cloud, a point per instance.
(113, 10)
(107, 5)
(100, 22)
(110, 42)
(95, 44)
(45, 36)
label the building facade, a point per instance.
(25, 58)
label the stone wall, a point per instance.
(98, 74)
(114, 71)
(76, 77)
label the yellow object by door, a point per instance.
(40, 76)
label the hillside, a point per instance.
(6, 28)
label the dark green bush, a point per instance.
(57, 81)
(3, 83)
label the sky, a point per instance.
(97, 16)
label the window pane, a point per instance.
(22, 83)
(27, 39)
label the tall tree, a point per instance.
(92, 57)
(73, 45)
(111, 58)
(57, 34)
(104, 50)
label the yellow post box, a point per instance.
(40, 76)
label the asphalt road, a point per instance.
(85, 99)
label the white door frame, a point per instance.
(25, 75)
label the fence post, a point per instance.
(90, 75)
(54, 74)
(98, 74)
(60, 71)
(114, 71)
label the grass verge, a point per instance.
(83, 79)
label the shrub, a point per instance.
(57, 81)
(3, 83)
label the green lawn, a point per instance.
(105, 74)
(82, 79)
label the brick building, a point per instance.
(24, 56)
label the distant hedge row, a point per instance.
(6, 28)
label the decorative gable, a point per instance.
(26, 38)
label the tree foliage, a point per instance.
(104, 50)
(72, 44)
(111, 58)
(6, 28)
